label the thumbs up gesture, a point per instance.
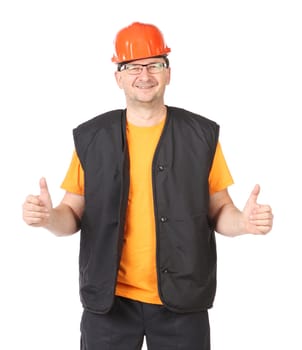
(258, 217)
(37, 208)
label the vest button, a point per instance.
(165, 271)
(161, 168)
(163, 219)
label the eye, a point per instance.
(133, 68)
(154, 66)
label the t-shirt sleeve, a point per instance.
(220, 177)
(74, 178)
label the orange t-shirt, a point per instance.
(137, 276)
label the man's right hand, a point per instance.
(36, 209)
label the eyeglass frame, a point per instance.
(165, 64)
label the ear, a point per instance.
(118, 78)
(168, 76)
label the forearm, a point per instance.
(62, 221)
(229, 221)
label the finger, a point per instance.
(35, 214)
(34, 206)
(34, 218)
(267, 221)
(32, 200)
(254, 194)
(264, 229)
(43, 186)
(44, 193)
(261, 211)
(31, 210)
(34, 221)
(261, 225)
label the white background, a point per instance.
(237, 62)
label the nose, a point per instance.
(144, 73)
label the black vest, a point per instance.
(186, 249)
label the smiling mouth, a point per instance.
(144, 86)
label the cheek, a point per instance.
(165, 81)
(119, 79)
(119, 84)
(123, 82)
(168, 77)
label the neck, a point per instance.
(145, 116)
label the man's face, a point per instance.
(144, 84)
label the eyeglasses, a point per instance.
(136, 69)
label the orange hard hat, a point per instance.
(139, 40)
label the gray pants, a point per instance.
(129, 321)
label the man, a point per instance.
(147, 187)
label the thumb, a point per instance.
(252, 200)
(44, 193)
(43, 186)
(254, 195)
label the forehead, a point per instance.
(148, 60)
